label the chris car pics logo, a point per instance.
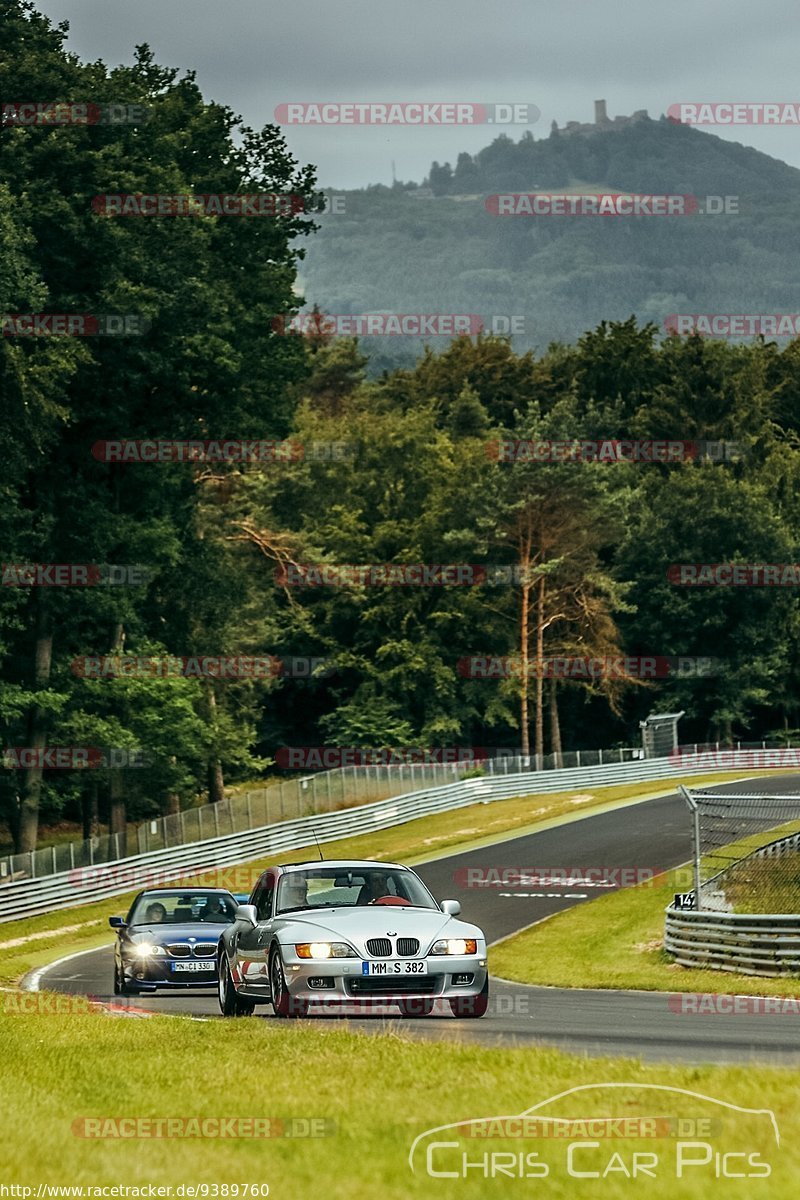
(603, 1131)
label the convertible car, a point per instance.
(169, 939)
(345, 932)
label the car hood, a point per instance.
(160, 933)
(356, 925)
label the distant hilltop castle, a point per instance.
(602, 121)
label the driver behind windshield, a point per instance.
(375, 886)
(294, 893)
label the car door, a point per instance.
(252, 944)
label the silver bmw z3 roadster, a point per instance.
(350, 932)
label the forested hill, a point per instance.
(436, 248)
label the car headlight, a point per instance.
(324, 950)
(455, 946)
(147, 950)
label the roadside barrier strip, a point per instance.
(27, 897)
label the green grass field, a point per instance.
(380, 1093)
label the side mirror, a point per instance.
(116, 922)
(451, 907)
(246, 914)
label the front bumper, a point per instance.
(149, 973)
(341, 981)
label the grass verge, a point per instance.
(616, 942)
(379, 1093)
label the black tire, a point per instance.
(283, 1004)
(230, 1004)
(117, 981)
(416, 1006)
(471, 1006)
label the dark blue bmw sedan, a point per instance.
(169, 939)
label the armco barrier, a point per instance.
(748, 943)
(30, 896)
(766, 944)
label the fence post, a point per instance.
(578, 756)
(33, 865)
(249, 812)
(216, 820)
(601, 758)
(72, 854)
(697, 857)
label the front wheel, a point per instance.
(416, 1006)
(230, 1004)
(471, 1006)
(283, 1004)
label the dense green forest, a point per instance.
(388, 464)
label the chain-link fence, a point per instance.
(746, 851)
(281, 800)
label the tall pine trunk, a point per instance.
(118, 820)
(28, 824)
(524, 634)
(555, 724)
(216, 779)
(540, 666)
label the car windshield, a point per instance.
(337, 887)
(183, 908)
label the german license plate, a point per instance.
(193, 966)
(389, 967)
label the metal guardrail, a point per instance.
(765, 944)
(284, 799)
(748, 943)
(30, 896)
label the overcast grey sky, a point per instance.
(557, 54)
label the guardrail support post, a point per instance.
(33, 866)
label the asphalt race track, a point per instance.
(653, 834)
